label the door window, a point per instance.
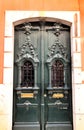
(57, 72)
(27, 73)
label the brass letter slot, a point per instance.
(57, 95)
(27, 95)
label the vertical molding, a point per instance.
(42, 75)
(76, 48)
(75, 25)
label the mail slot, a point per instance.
(27, 95)
(58, 95)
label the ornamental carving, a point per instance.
(57, 28)
(27, 50)
(57, 48)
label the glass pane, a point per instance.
(57, 74)
(27, 74)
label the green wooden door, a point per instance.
(42, 78)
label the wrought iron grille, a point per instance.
(27, 72)
(57, 74)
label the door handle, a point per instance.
(45, 95)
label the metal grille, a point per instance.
(57, 74)
(27, 74)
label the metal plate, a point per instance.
(27, 95)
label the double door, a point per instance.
(42, 77)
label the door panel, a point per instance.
(42, 96)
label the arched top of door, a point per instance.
(42, 19)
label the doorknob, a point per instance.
(45, 95)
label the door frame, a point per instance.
(13, 18)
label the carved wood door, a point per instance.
(42, 76)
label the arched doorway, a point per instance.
(42, 76)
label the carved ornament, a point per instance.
(27, 50)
